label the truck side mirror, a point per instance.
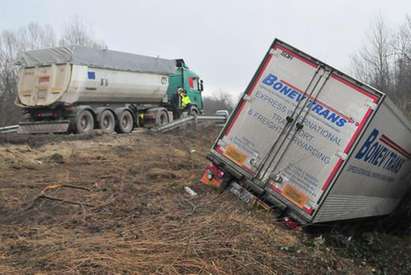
(201, 86)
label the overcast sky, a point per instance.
(223, 41)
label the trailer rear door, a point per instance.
(295, 126)
(42, 86)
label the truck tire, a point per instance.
(107, 121)
(193, 111)
(125, 122)
(84, 122)
(162, 118)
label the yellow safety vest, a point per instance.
(185, 100)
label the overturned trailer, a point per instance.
(313, 142)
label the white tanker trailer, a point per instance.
(80, 89)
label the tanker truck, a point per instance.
(78, 89)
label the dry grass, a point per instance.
(141, 220)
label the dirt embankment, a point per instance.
(116, 204)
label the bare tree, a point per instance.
(77, 33)
(33, 36)
(385, 62)
(402, 69)
(221, 101)
(372, 63)
(402, 45)
(9, 47)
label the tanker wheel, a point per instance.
(125, 122)
(107, 121)
(163, 118)
(84, 122)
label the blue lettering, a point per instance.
(367, 144)
(270, 79)
(383, 156)
(325, 113)
(286, 90)
(371, 151)
(311, 104)
(276, 84)
(341, 122)
(293, 94)
(333, 117)
(300, 97)
(377, 155)
(317, 108)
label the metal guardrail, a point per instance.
(182, 121)
(43, 127)
(168, 127)
(9, 129)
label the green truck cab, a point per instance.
(192, 84)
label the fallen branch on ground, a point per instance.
(65, 201)
(58, 186)
(43, 195)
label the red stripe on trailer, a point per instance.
(229, 126)
(347, 149)
(317, 100)
(358, 131)
(389, 142)
(358, 89)
(275, 189)
(332, 174)
(248, 169)
(293, 54)
(308, 210)
(218, 149)
(394, 148)
(266, 60)
(384, 137)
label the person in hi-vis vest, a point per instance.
(185, 100)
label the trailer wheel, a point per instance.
(125, 122)
(107, 121)
(162, 119)
(84, 122)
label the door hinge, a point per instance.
(371, 105)
(247, 98)
(342, 155)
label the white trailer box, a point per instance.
(315, 142)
